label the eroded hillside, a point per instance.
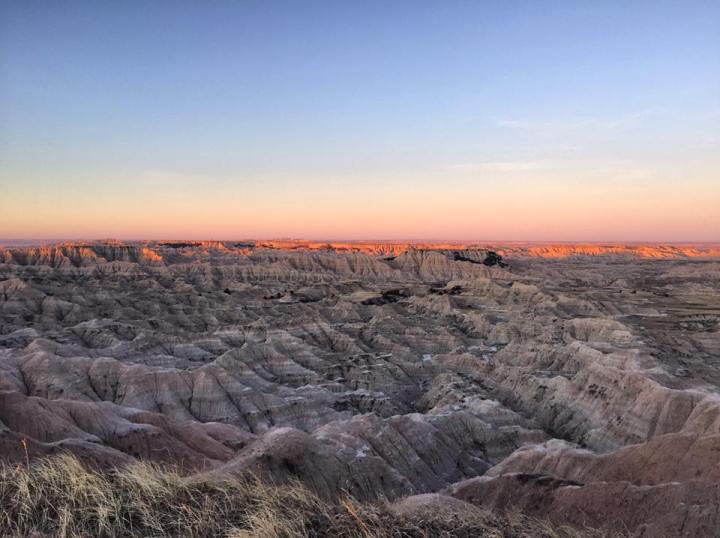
(577, 382)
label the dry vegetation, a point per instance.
(63, 497)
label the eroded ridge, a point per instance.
(583, 386)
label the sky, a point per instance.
(467, 120)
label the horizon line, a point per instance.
(50, 240)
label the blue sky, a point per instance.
(264, 114)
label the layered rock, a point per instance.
(566, 387)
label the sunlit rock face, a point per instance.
(578, 382)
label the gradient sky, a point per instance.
(388, 119)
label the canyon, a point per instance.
(576, 382)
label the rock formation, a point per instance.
(578, 382)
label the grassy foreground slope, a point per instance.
(63, 497)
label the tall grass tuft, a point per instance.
(63, 497)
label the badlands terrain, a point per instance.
(578, 383)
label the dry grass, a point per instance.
(62, 497)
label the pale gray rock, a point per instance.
(579, 382)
